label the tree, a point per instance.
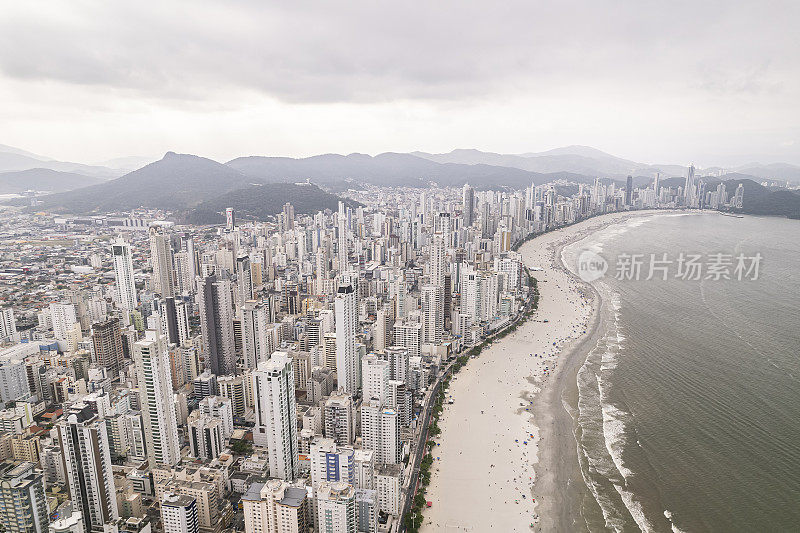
(240, 447)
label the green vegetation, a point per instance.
(259, 202)
(240, 447)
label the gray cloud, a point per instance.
(383, 51)
(649, 80)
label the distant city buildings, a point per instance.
(286, 361)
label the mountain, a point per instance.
(388, 169)
(19, 151)
(259, 202)
(773, 171)
(759, 200)
(192, 187)
(43, 179)
(12, 159)
(176, 182)
(582, 160)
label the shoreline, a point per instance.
(488, 473)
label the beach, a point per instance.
(506, 459)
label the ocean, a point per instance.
(688, 413)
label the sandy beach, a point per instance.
(506, 458)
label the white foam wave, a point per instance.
(675, 529)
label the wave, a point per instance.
(602, 470)
(675, 529)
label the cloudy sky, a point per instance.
(710, 82)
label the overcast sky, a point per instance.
(652, 81)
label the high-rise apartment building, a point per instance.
(87, 463)
(23, 506)
(339, 419)
(276, 418)
(468, 206)
(346, 327)
(123, 271)
(336, 508)
(375, 377)
(179, 514)
(155, 397)
(432, 314)
(8, 325)
(161, 258)
(275, 507)
(256, 341)
(216, 322)
(380, 432)
(107, 344)
(205, 436)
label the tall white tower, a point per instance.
(255, 342)
(690, 189)
(276, 415)
(432, 314)
(155, 392)
(123, 269)
(437, 261)
(342, 238)
(346, 326)
(375, 373)
(161, 256)
(380, 431)
(8, 325)
(87, 464)
(63, 317)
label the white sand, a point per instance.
(482, 469)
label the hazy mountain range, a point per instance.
(195, 185)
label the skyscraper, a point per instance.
(338, 417)
(8, 325)
(107, 343)
(330, 462)
(275, 507)
(206, 439)
(87, 463)
(244, 280)
(179, 513)
(437, 261)
(380, 432)
(256, 344)
(346, 324)
(375, 373)
(216, 322)
(161, 257)
(629, 191)
(336, 508)
(276, 418)
(432, 314)
(690, 188)
(63, 317)
(342, 238)
(468, 205)
(123, 270)
(230, 219)
(23, 506)
(155, 397)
